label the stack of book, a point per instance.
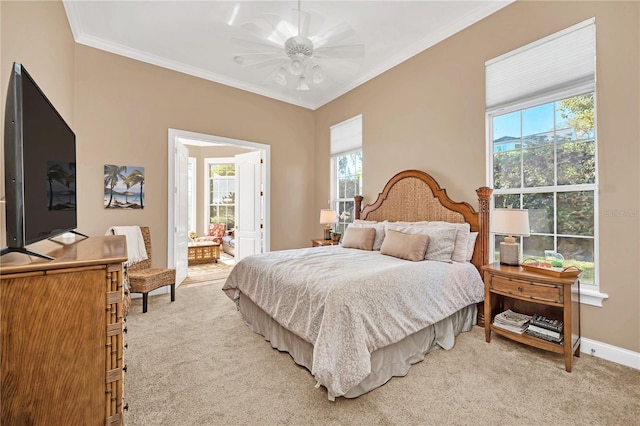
(545, 328)
(512, 321)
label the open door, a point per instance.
(249, 210)
(180, 211)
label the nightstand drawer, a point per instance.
(550, 293)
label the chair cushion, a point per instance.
(215, 233)
(145, 280)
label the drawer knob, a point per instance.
(520, 289)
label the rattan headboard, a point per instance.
(414, 196)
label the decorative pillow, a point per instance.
(462, 238)
(359, 238)
(378, 226)
(405, 246)
(471, 245)
(441, 239)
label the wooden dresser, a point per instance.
(61, 335)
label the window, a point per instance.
(191, 194)
(346, 169)
(544, 160)
(220, 191)
(542, 146)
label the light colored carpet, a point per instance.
(205, 273)
(194, 362)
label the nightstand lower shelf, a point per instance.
(530, 340)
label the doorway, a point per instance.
(181, 143)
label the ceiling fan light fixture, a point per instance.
(281, 76)
(318, 74)
(296, 66)
(302, 83)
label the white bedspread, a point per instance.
(349, 302)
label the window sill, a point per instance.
(589, 295)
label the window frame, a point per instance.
(589, 292)
(207, 179)
(341, 225)
(341, 146)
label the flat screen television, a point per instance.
(39, 166)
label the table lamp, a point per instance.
(510, 222)
(328, 217)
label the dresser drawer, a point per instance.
(549, 293)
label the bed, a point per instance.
(355, 318)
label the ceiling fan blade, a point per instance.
(347, 51)
(301, 21)
(270, 27)
(255, 64)
(334, 35)
(255, 46)
(339, 70)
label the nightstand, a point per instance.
(321, 242)
(511, 287)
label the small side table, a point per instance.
(511, 287)
(322, 242)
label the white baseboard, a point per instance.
(610, 353)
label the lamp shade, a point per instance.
(510, 222)
(328, 216)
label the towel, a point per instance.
(136, 251)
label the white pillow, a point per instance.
(461, 240)
(379, 227)
(441, 239)
(471, 245)
(400, 223)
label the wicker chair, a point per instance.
(143, 278)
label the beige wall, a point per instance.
(200, 153)
(123, 109)
(36, 34)
(428, 114)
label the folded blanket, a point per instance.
(136, 251)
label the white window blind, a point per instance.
(346, 136)
(563, 60)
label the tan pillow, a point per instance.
(359, 238)
(378, 226)
(441, 239)
(405, 246)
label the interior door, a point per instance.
(180, 211)
(248, 233)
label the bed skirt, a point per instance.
(386, 362)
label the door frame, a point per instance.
(175, 134)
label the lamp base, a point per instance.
(327, 233)
(510, 254)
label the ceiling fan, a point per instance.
(297, 57)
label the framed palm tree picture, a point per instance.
(123, 187)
